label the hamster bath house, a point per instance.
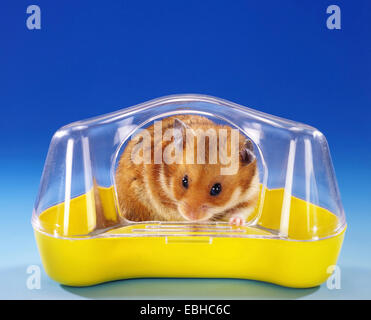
(291, 238)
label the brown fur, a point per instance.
(148, 192)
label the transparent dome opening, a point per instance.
(298, 197)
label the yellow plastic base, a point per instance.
(156, 250)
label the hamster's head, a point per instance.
(205, 191)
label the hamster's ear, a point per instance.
(249, 145)
(180, 130)
(247, 152)
(180, 126)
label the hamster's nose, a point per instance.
(194, 212)
(193, 215)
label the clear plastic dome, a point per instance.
(298, 198)
(293, 160)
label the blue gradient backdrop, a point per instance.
(94, 57)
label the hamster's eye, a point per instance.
(216, 189)
(185, 181)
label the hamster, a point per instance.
(182, 190)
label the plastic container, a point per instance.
(292, 239)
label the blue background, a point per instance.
(94, 57)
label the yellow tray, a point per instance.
(214, 250)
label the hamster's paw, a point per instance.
(237, 220)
